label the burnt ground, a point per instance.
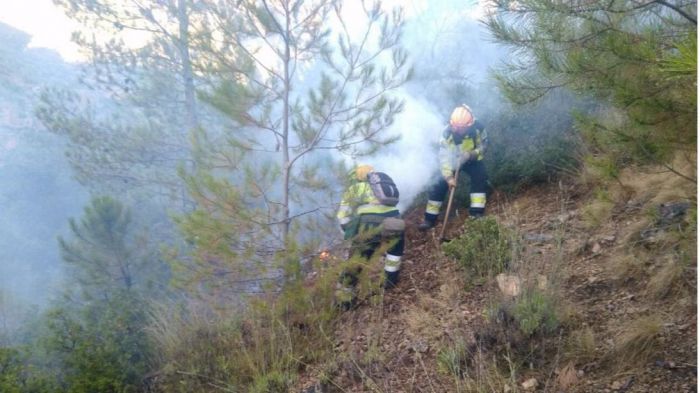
(392, 342)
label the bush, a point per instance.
(483, 250)
(534, 311)
(258, 349)
(532, 144)
(102, 347)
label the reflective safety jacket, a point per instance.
(359, 199)
(452, 146)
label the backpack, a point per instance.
(384, 188)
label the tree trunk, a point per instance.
(287, 165)
(187, 76)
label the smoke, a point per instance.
(37, 191)
(452, 56)
(412, 161)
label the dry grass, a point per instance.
(669, 186)
(421, 324)
(629, 267)
(638, 341)
(477, 372)
(631, 233)
(590, 177)
(597, 212)
(568, 313)
(665, 183)
(580, 345)
(669, 279)
(489, 378)
(260, 347)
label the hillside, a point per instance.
(625, 301)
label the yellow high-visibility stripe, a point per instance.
(433, 207)
(344, 211)
(359, 199)
(371, 208)
(478, 199)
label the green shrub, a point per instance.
(256, 349)
(10, 370)
(534, 311)
(483, 250)
(102, 346)
(532, 144)
(453, 359)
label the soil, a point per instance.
(392, 343)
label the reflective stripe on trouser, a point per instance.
(478, 199)
(392, 263)
(432, 209)
(478, 187)
(477, 203)
(344, 213)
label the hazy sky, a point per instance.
(44, 21)
(50, 28)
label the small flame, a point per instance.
(324, 255)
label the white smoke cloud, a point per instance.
(447, 45)
(412, 161)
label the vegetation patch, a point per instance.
(262, 347)
(598, 210)
(534, 311)
(454, 358)
(474, 369)
(483, 250)
(580, 345)
(521, 155)
(638, 341)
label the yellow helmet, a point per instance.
(362, 170)
(461, 117)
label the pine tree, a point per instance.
(620, 52)
(298, 100)
(103, 254)
(128, 123)
(97, 332)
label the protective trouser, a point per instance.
(477, 192)
(368, 239)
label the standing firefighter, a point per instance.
(368, 215)
(462, 148)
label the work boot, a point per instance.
(425, 225)
(391, 279)
(476, 214)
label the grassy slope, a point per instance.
(626, 305)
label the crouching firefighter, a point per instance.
(369, 217)
(462, 148)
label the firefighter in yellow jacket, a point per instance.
(462, 147)
(367, 221)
